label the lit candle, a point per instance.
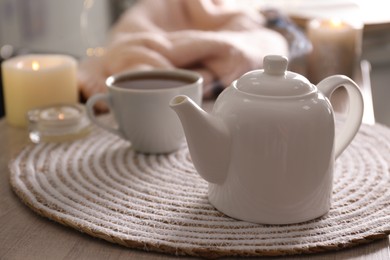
(60, 116)
(33, 81)
(58, 123)
(337, 48)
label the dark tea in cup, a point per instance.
(153, 82)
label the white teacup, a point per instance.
(139, 101)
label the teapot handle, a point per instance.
(355, 112)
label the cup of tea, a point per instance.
(139, 101)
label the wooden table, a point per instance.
(26, 235)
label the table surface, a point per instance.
(26, 235)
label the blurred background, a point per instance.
(79, 28)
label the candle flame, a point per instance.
(35, 65)
(61, 116)
(336, 22)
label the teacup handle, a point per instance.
(355, 112)
(91, 114)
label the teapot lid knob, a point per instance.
(274, 80)
(275, 64)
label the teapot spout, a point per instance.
(208, 139)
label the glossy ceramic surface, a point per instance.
(143, 115)
(268, 147)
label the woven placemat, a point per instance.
(99, 186)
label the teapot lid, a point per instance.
(274, 80)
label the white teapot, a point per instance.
(268, 147)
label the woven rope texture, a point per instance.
(99, 186)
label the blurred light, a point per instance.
(35, 65)
(6, 51)
(336, 22)
(96, 52)
(88, 4)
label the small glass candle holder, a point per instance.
(58, 123)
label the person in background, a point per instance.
(220, 39)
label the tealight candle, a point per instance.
(58, 123)
(32, 81)
(337, 48)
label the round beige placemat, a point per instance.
(99, 186)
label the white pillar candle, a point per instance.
(33, 81)
(337, 48)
